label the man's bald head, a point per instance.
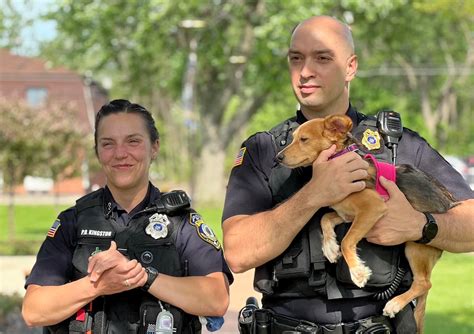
(322, 64)
(327, 22)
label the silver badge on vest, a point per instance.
(158, 226)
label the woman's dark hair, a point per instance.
(125, 106)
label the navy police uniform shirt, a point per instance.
(54, 260)
(248, 192)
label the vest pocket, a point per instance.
(85, 248)
(162, 256)
(294, 262)
(382, 260)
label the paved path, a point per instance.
(14, 268)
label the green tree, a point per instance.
(146, 48)
(207, 81)
(422, 55)
(35, 141)
(10, 24)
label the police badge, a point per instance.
(371, 140)
(158, 226)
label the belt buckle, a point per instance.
(333, 329)
(307, 328)
(374, 325)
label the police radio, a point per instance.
(389, 124)
(170, 203)
(174, 201)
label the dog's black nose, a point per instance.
(279, 157)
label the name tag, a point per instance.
(96, 233)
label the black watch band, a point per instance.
(429, 230)
(152, 275)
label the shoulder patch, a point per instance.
(194, 218)
(240, 157)
(203, 230)
(53, 229)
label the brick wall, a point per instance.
(18, 74)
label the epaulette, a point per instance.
(95, 198)
(281, 132)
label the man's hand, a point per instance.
(401, 223)
(333, 180)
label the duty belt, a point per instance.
(265, 321)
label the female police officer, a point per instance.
(127, 258)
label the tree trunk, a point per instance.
(429, 116)
(209, 175)
(11, 200)
(56, 193)
(11, 214)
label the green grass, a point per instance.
(33, 221)
(450, 302)
(450, 306)
(31, 224)
(212, 217)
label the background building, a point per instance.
(35, 81)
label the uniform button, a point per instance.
(147, 257)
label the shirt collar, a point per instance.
(351, 112)
(110, 205)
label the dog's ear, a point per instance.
(336, 127)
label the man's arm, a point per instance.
(252, 240)
(199, 295)
(456, 229)
(403, 223)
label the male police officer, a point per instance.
(271, 215)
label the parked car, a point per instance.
(458, 164)
(470, 171)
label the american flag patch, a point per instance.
(240, 157)
(54, 228)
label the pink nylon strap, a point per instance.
(350, 148)
(382, 169)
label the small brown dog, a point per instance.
(366, 207)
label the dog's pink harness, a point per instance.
(382, 169)
(349, 148)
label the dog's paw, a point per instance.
(360, 275)
(331, 251)
(391, 308)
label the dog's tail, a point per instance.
(424, 192)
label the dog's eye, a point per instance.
(303, 139)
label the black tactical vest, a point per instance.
(127, 312)
(302, 270)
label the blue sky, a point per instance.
(40, 30)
